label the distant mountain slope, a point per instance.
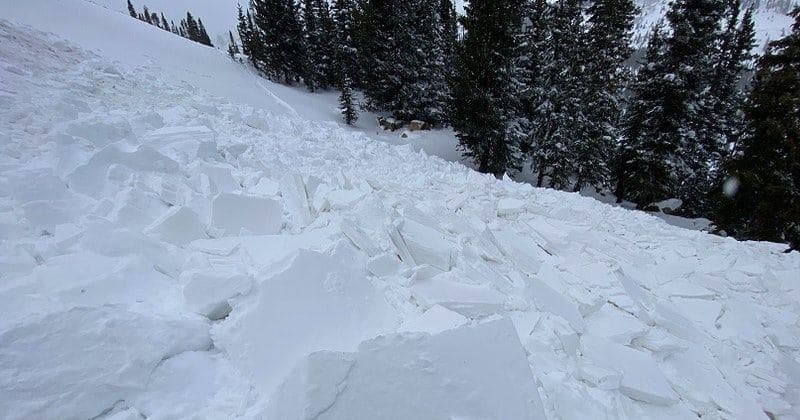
(219, 16)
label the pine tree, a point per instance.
(400, 52)
(346, 52)
(760, 199)
(164, 24)
(608, 39)
(154, 20)
(448, 22)
(319, 36)
(244, 31)
(202, 35)
(484, 109)
(349, 113)
(670, 138)
(192, 31)
(557, 126)
(282, 45)
(132, 10)
(146, 15)
(233, 49)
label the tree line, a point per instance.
(551, 87)
(189, 28)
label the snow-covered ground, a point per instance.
(181, 239)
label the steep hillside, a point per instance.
(182, 239)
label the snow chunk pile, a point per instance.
(166, 253)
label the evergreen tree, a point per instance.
(146, 15)
(761, 196)
(202, 35)
(448, 22)
(671, 137)
(346, 51)
(348, 109)
(557, 126)
(282, 46)
(233, 49)
(319, 36)
(484, 109)
(400, 52)
(132, 10)
(164, 24)
(192, 31)
(608, 39)
(154, 20)
(243, 28)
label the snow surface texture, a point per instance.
(174, 247)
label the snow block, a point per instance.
(233, 213)
(425, 245)
(319, 302)
(478, 372)
(435, 320)
(295, 197)
(90, 178)
(78, 363)
(642, 379)
(207, 293)
(510, 206)
(179, 226)
(468, 300)
(549, 300)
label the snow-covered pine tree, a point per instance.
(233, 48)
(558, 124)
(164, 24)
(154, 20)
(378, 24)
(282, 46)
(485, 103)
(608, 37)
(348, 109)
(448, 26)
(760, 199)
(401, 55)
(192, 31)
(146, 15)
(132, 10)
(202, 35)
(424, 93)
(346, 53)
(320, 42)
(666, 149)
(243, 29)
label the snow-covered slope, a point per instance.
(180, 239)
(771, 18)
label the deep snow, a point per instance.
(180, 239)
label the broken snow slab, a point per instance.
(234, 214)
(548, 299)
(78, 363)
(684, 289)
(178, 226)
(473, 301)
(318, 302)
(207, 293)
(615, 324)
(420, 244)
(509, 207)
(642, 379)
(435, 320)
(477, 372)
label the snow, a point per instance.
(181, 239)
(417, 376)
